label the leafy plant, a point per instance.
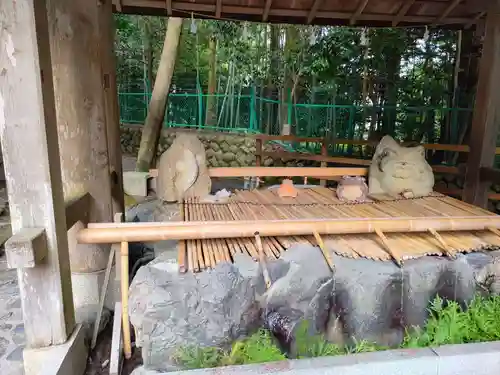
(310, 346)
(448, 323)
(258, 348)
(196, 357)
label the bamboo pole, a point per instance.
(262, 261)
(446, 247)
(135, 232)
(387, 246)
(127, 343)
(181, 256)
(324, 251)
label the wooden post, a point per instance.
(258, 160)
(77, 47)
(486, 116)
(111, 106)
(28, 133)
(258, 152)
(324, 152)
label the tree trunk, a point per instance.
(147, 55)
(211, 117)
(273, 72)
(152, 127)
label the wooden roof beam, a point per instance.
(405, 7)
(238, 10)
(267, 8)
(313, 11)
(361, 7)
(169, 7)
(218, 9)
(447, 11)
(475, 20)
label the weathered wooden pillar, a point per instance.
(486, 118)
(107, 32)
(76, 47)
(28, 133)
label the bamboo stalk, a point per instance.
(181, 252)
(494, 230)
(205, 230)
(387, 247)
(447, 249)
(324, 251)
(127, 342)
(262, 261)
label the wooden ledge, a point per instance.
(77, 210)
(27, 248)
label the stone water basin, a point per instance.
(361, 299)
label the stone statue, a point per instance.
(352, 189)
(397, 170)
(182, 170)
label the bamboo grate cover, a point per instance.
(322, 203)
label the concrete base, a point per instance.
(467, 359)
(135, 183)
(87, 289)
(69, 358)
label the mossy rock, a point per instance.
(235, 149)
(224, 146)
(214, 146)
(213, 162)
(232, 141)
(268, 162)
(228, 156)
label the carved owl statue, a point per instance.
(182, 170)
(352, 189)
(396, 170)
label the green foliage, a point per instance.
(192, 357)
(258, 348)
(310, 346)
(448, 323)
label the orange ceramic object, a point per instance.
(287, 190)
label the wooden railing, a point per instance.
(324, 158)
(487, 174)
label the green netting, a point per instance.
(249, 112)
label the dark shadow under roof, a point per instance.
(376, 13)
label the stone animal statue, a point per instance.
(396, 170)
(182, 170)
(352, 189)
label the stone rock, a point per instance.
(228, 156)
(488, 276)
(268, 162)
(302, 292)
(376, 301)
(3, 345)
(171, 310)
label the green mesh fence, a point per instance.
(251, 113)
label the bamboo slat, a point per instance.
(390, 229)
